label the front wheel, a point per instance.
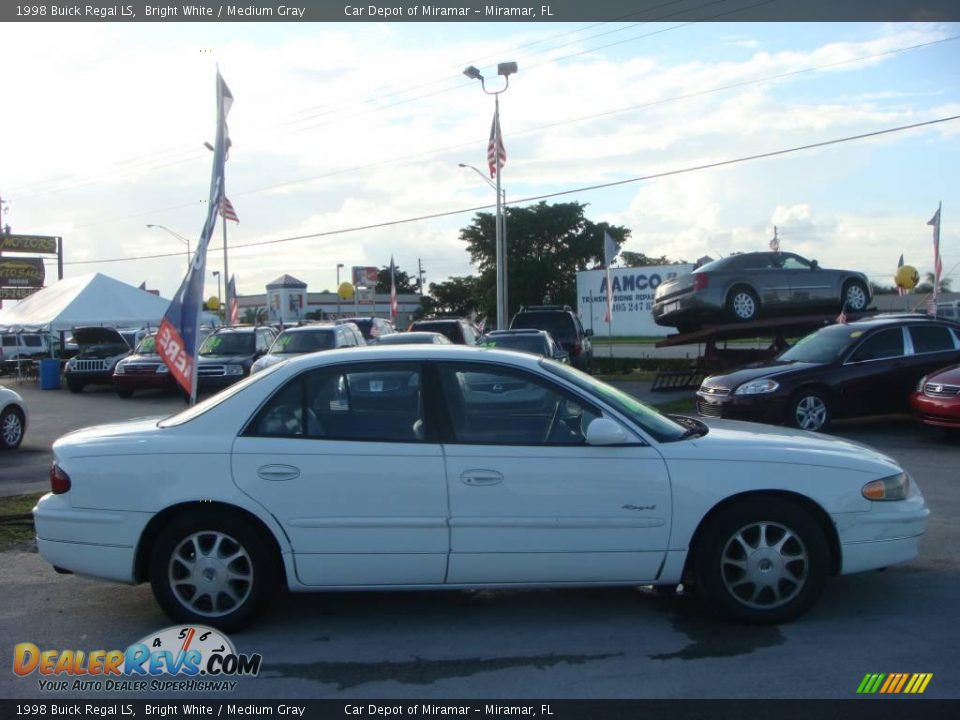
(763, 561)
(74, 386)
(213, 570)
(855, 296)
(11, 429)
(125, 393)
(809, 410)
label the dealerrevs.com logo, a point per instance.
(204, 657)
(894, 683)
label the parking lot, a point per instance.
(594, 643)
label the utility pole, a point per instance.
(420, 275)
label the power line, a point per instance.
(534, 198)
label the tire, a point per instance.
(809, 410)
(855, 296)
(742, 573)
(11, 429)
(74, 386)
(228, 604)
(125, 392)
(743, 304)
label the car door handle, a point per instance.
(278, 472)
(481, 477)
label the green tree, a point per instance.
(458, 296)
(635, 259)
(254, 316)
(546, 246)
(405, 282)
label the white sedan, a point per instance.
(13, 419)
(452, 467)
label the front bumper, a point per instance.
(96, 377)
(768, 408)
(889, 534)
(144, 382)
(942, 412)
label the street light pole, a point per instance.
(505, 70)
(176, 235)
(216, 274)
(501, 232)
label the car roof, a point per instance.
(372, 353)
(307, 328)
(517, 331)
(899, 319)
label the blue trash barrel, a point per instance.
(50, 374)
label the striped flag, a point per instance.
(227, 211)
(394, 308)
(496, 153)
(900, 290)
(937, 262)
(233, 306)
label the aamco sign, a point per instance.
(633, 290)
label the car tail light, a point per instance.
(700, 281)
(575, 350)
(59, 480)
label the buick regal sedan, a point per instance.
(448, 467)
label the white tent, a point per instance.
(85, 300)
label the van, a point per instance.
(949, 310)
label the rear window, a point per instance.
(525, 343)
(558, 324)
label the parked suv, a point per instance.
(458, 330)
(228, 353)
(101, 348)
(561, 322)
(373, 328)
(309, 339)
(21, 346)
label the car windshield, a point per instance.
(147, 346)
(303, 341)
(524, 343)
(558, 324)
(211, 402)
(228, 344)
(650, 419)
(410, 338)
(823, 346)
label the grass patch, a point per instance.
(683, 406)
(18, 533)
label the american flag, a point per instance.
(495, 147)
(937, 262)
(774, 241)
(233, 306)
(227, 211)
(900, 290)
(394, 308)
(842, 317)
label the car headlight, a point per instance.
(757, 387)
(120, 369)
(162, 369)
(923, 381)
(234, 370)
(71, 364)
(895, 487)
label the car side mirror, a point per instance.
(603, 431)
(588, 333)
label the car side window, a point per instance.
(752, 262)
(262, 344)
(884, 344)
(792, 262)
(491, 405)
(930, 338)
(379, 402)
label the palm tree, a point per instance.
(945, 283)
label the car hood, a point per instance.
(98, 336)
(733, 440)
(946, 376)
(752, 372)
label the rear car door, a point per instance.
(344, 459)
(933, 346)
(530, 501)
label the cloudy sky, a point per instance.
(338, 126)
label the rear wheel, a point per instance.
(763, 560)
(855, 296)
(743, 304)
(11, 429)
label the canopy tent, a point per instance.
(84, 300)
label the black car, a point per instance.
(100, 349)
(458, 330)
(745, 286)
(227, 354)
(535, 342)
(868, 367)
(565, 327)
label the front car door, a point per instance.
(810, 287)
(344, 459)
(530, 501)
(872, 377)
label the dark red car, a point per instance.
(142, 370)
(937, 398)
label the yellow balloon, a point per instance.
(345, 291)
(213, 302)
(907, 277)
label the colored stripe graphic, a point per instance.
(903, 681)
(894, 683)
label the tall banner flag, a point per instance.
(496, 152)
(610, 252)
(394, 308)
(177, 337)
(233, 306)
(937, 262)
(901, 291)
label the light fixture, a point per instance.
(474, 74)
(507, 68)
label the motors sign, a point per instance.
(633, 291)
(29, 243)
(21, 272)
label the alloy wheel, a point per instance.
(764, 565)
(744, 306)
(811, 413)
(11, 429)
(856, 298)
(210, 573)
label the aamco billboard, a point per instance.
(633, 290)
